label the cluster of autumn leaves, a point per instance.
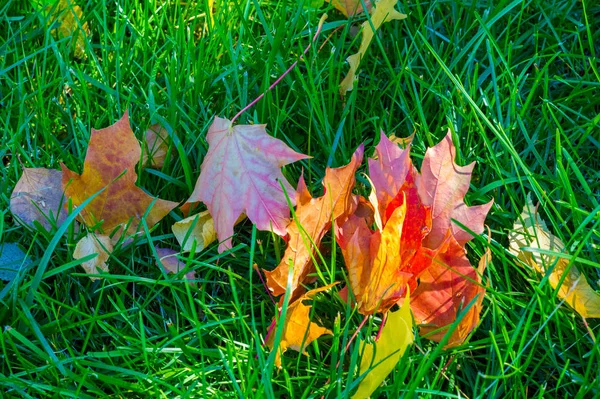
(404, 244)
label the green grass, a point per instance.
(517, 82)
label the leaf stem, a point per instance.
(257, 99)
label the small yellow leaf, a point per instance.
(381, 358)
(531, 231)
(384, 11)
(298, 331)
(94, 244)
(203, 231)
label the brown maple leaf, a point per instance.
(313, 218)
(110, 163)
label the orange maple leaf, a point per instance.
(312, 220)
(381, 264)
(110, 163)
(414, 246)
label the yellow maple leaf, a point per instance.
(298, 331)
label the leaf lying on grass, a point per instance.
(381, 358)
(12, 259)
(530, 233)
(156, 146)
(351, 7)
(313, 218)
(241, 173)
(65, 16)
(298, 330)
(384, 11)
(447, 287)
(199, 228)
(100, 245)
(400, 253)
(38, 197)
(169, 260)
(110, 162)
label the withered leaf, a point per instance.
(531, 231)
(110, 162)
(38, 197)
(383, 11)
(100, 245)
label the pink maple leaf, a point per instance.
(241, 173)
(443, 184)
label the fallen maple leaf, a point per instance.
(379, 360)
(446, 287)
(298, 330)
(529, 234)
(443, 184)
(351, 7)
(383, 11)
(382, 264)
(100, 245)
(397, 254)
(38, 197)
(388, 171)
(313, 218)
(156, 146)
(169, 260)
(241, 173)
(110, 162)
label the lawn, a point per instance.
(517, 83)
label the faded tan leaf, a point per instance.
(94, 244)
(531, 231)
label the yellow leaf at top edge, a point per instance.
(383, 11)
